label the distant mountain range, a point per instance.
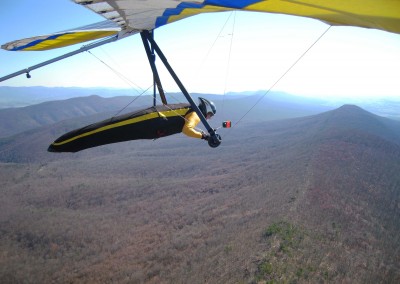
(25, 96)
(230, 107)
(285, 198)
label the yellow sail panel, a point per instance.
(185, 13)
(383, 14)
(64, 38)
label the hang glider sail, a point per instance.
(127, 17)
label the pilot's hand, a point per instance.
(205, 136)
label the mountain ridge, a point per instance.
(15, 120)
(351, 117)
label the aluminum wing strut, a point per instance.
(82, 49)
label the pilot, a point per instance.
(208, 109)
(150, 123)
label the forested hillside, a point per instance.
(312, 199)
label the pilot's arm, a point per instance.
(191, 121)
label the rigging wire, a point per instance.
(131, 102)
(283, 75)
(215, 40)
(119, 74)
(126, 80)
(202, 63)
(228, 64)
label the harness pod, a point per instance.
(150, 123)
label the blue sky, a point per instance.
(214, 53)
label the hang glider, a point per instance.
(127, 17)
